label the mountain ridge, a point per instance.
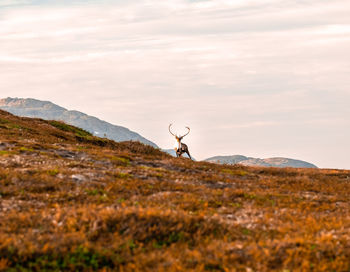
(267, 162)
(30, 107)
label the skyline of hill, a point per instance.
(29, 107)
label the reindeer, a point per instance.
(182, 148)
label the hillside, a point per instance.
(269, 162)
(49, 111)
(70, 201)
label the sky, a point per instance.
(261, 78)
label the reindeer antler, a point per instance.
(187, 132)
(170, 130)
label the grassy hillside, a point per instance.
(72, 202)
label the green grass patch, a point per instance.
(6, 152)
(120, 161)
(53, 172)
(123, 175)
(9, 125)
(81, 259)
(64, 127)
(250, 196)
(4, 121)
(26, 149)
(94, 192)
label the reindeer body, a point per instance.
(182, 148)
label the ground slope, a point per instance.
(44, 109)
(73, 202)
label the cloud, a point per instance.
(11, 3)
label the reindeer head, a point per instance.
(178, 138)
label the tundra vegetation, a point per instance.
(70, 201)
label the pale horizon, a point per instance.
(256, 78)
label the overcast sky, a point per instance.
(258, 78)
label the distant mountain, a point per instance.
(227, 159)
(269, 162)
(49, 111)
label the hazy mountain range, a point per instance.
(50, 111)
(269, 162)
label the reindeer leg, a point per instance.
(178, 153)
(188, 153)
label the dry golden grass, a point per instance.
(73, 202)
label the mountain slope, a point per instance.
(49, 111)
(70, 201)
(269, 162)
